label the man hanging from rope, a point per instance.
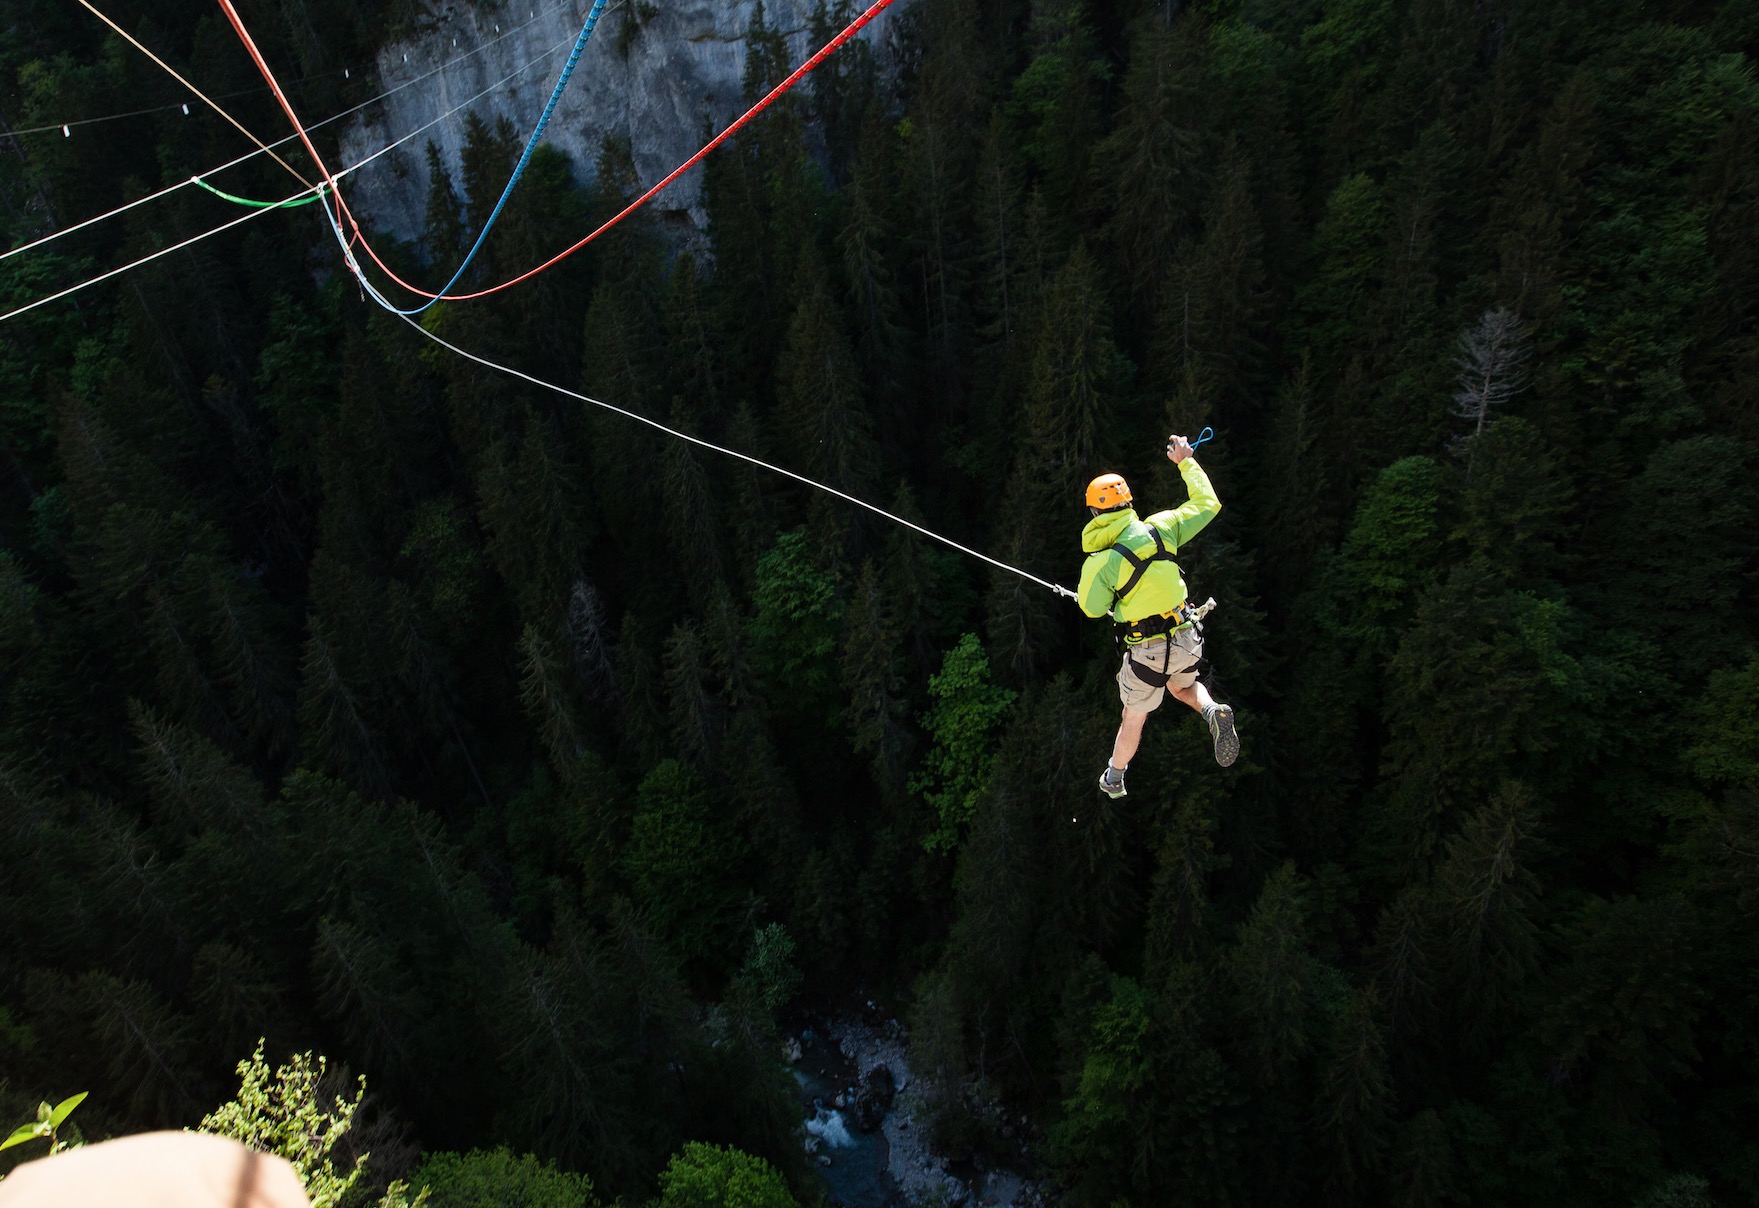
(1130, 574)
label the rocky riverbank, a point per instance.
(878, 1057)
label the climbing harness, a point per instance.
(1180, 616)
(1135, 632)
(1114, 491)
(1147, 674)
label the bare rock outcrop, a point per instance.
(676, 73)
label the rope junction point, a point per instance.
(255, 212)
(345, 244)
(317, 192)
(345, 240)
(249, 155)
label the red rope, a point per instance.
(799, 73)
(298, 126)
(269, 77)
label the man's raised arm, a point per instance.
(1184, 522)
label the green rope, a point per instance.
(261, 205)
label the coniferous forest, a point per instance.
(536, 765)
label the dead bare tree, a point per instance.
(1492, 362)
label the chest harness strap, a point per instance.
(1139, 565)
(1131, 632)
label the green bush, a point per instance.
(707, 1176)
(498, 1179)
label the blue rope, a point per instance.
(592, 19)
(1206, 434)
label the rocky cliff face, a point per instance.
(662, 82)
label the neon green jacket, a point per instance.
(1161, 588)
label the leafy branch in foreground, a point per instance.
(284, 1116)
(48, 1120)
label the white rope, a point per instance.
(562, 390)
(184, 184)
(52, 127)
(362, 280)
(117, 117)
(695, 440)
(367, 286)
(72, 289)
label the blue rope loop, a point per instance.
(592, 19)
(1206, 434)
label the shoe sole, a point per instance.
(1108, 792)
(1227, 743)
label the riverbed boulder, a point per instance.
(874, 1099)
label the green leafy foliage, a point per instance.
(498, 1179)
(794, 627)
(680, 861)
(49, 1120)
(962, 723)
(279, 1112)
(769, 967)
(283, 1112)
(1727, 747)
(713, 1176)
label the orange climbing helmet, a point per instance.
(1107, 492)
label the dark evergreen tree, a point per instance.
(359, 696)
(821, 412)
(1156, 156)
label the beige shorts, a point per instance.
(1174, 656)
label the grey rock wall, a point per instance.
(682, 74)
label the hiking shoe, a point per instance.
(1111, 782)
(1221, 728)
